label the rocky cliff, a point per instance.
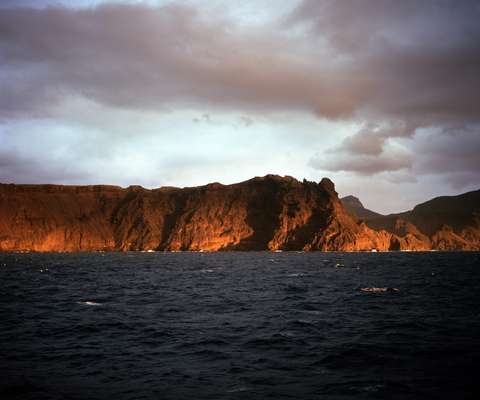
(268, 213)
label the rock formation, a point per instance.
(267, 213)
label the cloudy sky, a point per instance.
(382, 96)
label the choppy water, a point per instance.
(239, 326)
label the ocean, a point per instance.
(239, 325)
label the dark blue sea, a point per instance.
(239, 326)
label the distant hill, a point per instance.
(456, 211)
(450, 222)
(355, 207)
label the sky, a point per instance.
(381, 96)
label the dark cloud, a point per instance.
(171, 55)
(383, 59)
(423, 56)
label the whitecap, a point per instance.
(89, 303)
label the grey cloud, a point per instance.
(448, 151)
(404, 23)
(421, 58)
(170, 55)
(370, 139)
(399, 177)
(363, 142)
(393, 160)
(396, 66)
(385, 60)
(18, 168)
(467, 180)
(368, 152)
(452, 153)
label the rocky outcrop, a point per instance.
(267, 213)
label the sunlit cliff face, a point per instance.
(382, 96)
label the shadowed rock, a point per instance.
(355, 207)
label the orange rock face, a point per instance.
(269, 213)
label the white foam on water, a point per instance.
(89, 303)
